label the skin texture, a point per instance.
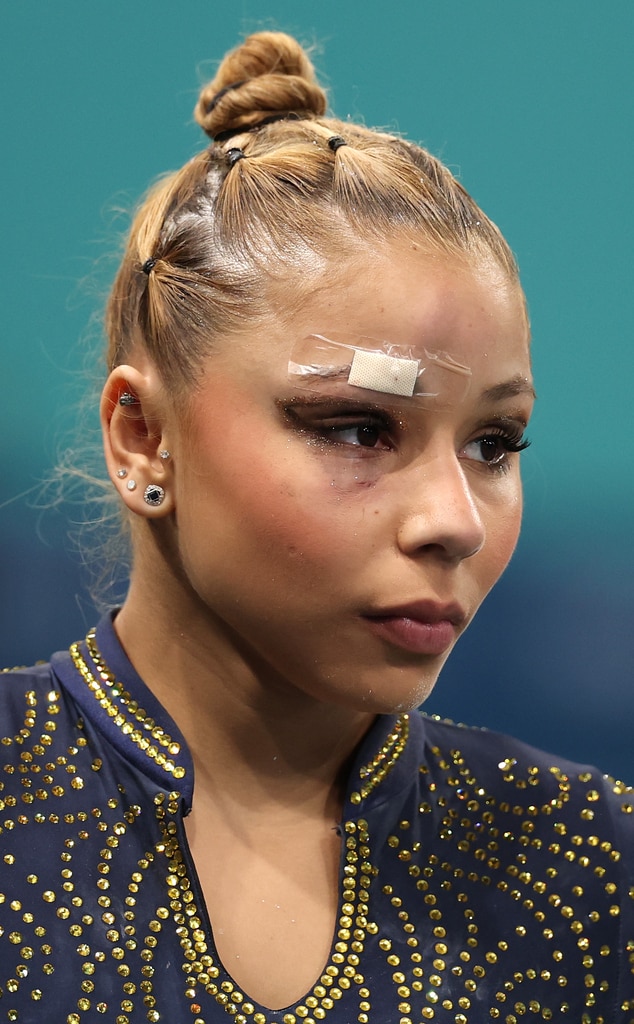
(291, 520)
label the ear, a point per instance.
(134, 438)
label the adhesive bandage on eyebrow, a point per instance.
(367, 364)
(394, 375)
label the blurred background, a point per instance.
(530, 104)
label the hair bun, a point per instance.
(268, 75)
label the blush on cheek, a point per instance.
(310, 523)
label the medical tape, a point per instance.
(369, 365)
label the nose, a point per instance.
(440, 512)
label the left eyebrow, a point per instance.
(509, 389)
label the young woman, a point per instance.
(223, 803)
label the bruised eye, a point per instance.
(342, 426)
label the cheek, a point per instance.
(301, 515)
(502, 533)
(262, 504)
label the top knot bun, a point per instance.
(269, 75)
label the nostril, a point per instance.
(445, 519)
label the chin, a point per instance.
(392, 692)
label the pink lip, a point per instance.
(422, 627)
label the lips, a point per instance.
(422, 627)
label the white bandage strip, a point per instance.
(375, 371)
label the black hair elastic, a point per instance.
(245, 128)
(233, 155)
(148, 266)
(223, 92)
(335, 142)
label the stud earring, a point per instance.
(122, 473)
(131, 485)
(126, 398)
(154, 495)
(164, 454)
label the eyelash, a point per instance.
(508, 440)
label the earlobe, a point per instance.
(137, 457)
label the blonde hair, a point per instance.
(279, 179)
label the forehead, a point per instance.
(401, 302)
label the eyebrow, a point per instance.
(512, 388)
(509, 389)
(331, 373)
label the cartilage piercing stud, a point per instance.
(127, 398)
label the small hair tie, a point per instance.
(215, 100)
(233, 155)
(246, 128)
(148, 266)
(335, 142)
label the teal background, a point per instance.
(529, 101)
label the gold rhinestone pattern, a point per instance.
(497, 887)
(373, 773)
(204, 978)
(125, 712)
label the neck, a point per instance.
(255, 738)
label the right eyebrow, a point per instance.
(312, 374)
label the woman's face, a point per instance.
(339, 539)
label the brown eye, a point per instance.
(360, 435)
(345, 425)
(491, 449)
(368, 436)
